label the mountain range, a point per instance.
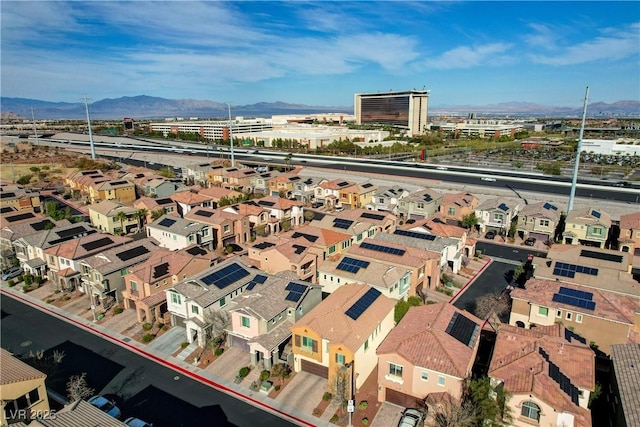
(148, 107)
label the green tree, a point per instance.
(141, 216)
(156, 214)
(469, 221)
(402, 307)
(489, 402)
(121, 216)
(167, 172)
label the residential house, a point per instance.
(420, 204)
(156, 207)
(161, 187)
(386, 199)
(30, 248)
(113, 217)
(625, 377)
(145, 284)
(227, 226)
(17, 224)
(103, 274)
(328, 192)
(81, 180)
(259, 220)
(188, 200)
(497, 214)
(455, 206)
(329, 242)
(548, 372)
(629, 240)
(601, 316)
(539, 220)
(178, 233)
(275, 254)
(118, 190)
(431, 350)
(260, 182)
(190, 301)
(283, 185)
(382, 221)
(22, 388)
(282, 214)
(341, 334)
(359, 229)
(63, 260)
(303, 189)
(198, 173)
(233, 178)
(220, 194)
(437, 226)
(587, 227)
(261, 317)
(357, 195)
(16, 197)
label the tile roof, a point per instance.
(79, 414)
(189, 198)
(460, 199)
(329, 320)
(585, 217)
(377, 274)
(435, 225)
(412, 257)
(217, 193)
(110, 208)
(626, 365)
(541, 210)
(630, 221)
(14, 370)
(177, 225)
(421, 339)
(108, 261)
(82, 247)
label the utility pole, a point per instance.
(93, 148)
(233, 162)
(35, 129)
(576, 165)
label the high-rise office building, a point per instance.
(406, 109)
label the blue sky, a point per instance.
(321, 53)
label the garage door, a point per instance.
(314, 368)
(400, 399)
(540, 237)
(240, 343)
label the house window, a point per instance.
(395, 370)
(340, 359)
(452, 211)
(226, 228)
(559, 314)
(568, 315)
(597, 231)
(543, 311)
(579, 318)
(134, 286)
(544, 222)
(175, 298)
(441, 380)
(246, 322)
(194, 309)
(530, 410)
(307, 343)
(223, 302)
(424, 376)
(420, 205)
(366, 344)
(332, 249)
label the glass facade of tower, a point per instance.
(392, 110)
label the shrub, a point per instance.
(25, 288)
(243, 372)
(147, 326)
(160, 325)
(65, 298)
(444, 290)
(365, 421)
(264, 375)
(327, 396)
(165, 328)
(117, 310)
(11, 283)
(363, 405)
(148, 337)
(28, 279)
(334, 419)
(184, 345)
(37, 280)
(49, 300)
(219, 351)
(276, 387)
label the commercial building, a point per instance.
(406, 109)
(213, 130)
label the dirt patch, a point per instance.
(322, 406)
(278, 381)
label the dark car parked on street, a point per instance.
(530, 241)
(490, 235)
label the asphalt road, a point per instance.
(140, 387)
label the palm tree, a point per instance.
(141, 216)
(121, 216)
(156, 214)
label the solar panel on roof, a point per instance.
(342, 184)
(161, 270)
(6, 209)
(352, 265)
(225, 276)
(167, 222)
(595, 214)
(74, 231)
(573, 301)
(20, 217)
(4, 195)
(293, 296)
(372, 216)
(90, 246)
(118, 182)
(42, 225)
(564, 269)
(367, 185)
(570, 336)
(196, 250)
(264, 245)
(561, 379)
(360, 306)
(463, 329)
(342, 223)
(257, 280)
(266, 203)
(576, 293)
(163, 201)
(308, 237)
(295, 287)
(549, 206)
(427, 198)
(415, 234)
(503, 207)
(601, 256)
(132, 253)
(380, 248)
(207, 214)
(299, 249)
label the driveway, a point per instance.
(170, 341)
(304, 392)
(388, 415)
(229, 363)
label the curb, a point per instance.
(159, 360)
(453, 298)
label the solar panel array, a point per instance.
(360, 306)
(352, 265)
(601, 256)
(42, 225)
(20, 217)
(308, 237)
(380, 248)
(342, 223)
(503, 207)
(574, 301)
(595, 214)
(167, 222)
(6, 209)
(257, 280)
(296, 291)
(196, 250)
(207, 214)
(415, 234)
(427, 197)
(563, 381)
(266, 203)
(132, 253)
(74, 231)
(264, 245)
(367, 185)
(298, 249)
(569, 270)
(372, 216)
(90, 246)
(160, 270)
(342, 184)
(570, 336)
(463, 329)
(225, 276)
(549, 206)
(576, 293)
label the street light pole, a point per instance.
(351, 403)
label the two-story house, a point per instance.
(386, 199)
(12, 228)
(113, 217)
(259, 219)
(275, 254)
(359, 229)
(431, 350)
(384, 222)
(303, 189)
(119, 190)
(283, 185)
(198, 173)
(176, 233)
(587, 226)
(329, 242)
(281, 211)
(221, 196)
(438, 226)
(340, 335)
(328, 192)
(496, 214)
(548, 372)
(155, 208)
(161, 187)
(357, 195)
(629, 240)
(188, 200)
(227, 226)
(420, 204)
(539, 220)
(14, 196)
(262, 315)
(455, 206)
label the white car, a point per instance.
(442, 168)
(486, 178)
(411, 418)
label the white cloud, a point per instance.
(470, 56)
